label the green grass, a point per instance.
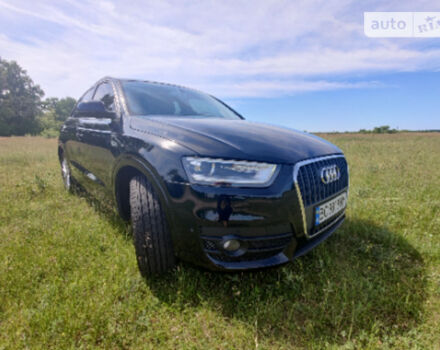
(68, 274)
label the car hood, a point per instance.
(236, 139)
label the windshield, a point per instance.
(152, 99)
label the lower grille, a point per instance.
(209, 245)
(253, 248)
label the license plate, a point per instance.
(329, 209)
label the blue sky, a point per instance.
(305, 64)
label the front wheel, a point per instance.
(151, 236)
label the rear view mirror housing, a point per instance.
(93, 109)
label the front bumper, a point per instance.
(272, 224)
(288, 248)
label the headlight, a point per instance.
(237, 173)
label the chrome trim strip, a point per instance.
(303, 210)
(83, 129)
(298, 190)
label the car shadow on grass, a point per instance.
(363, 281)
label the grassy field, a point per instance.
(68, 274)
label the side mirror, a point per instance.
(93, 109)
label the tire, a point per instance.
(151, 236)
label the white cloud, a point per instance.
(276, 88)
(229, 48)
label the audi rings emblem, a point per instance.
(330, 174)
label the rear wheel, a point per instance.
(151, 236)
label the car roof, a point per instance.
(142, 81)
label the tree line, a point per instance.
(384, 129)
(23, 110)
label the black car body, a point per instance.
(219, 225)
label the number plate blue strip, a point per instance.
(317, 216)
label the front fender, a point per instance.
(143, 167)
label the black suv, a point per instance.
(197, 180)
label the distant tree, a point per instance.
(384, 129)
(61, 107)
(20, 101)
(55, 112)
(381, 129)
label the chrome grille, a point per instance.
(308, 176)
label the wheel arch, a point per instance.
(126, 168)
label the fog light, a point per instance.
(231, 245)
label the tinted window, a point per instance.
(166, 100)
(87, 96)
(104, 93)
